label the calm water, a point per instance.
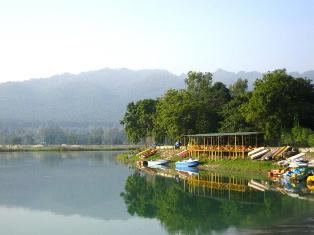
(91, 193)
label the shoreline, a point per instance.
(232, 166)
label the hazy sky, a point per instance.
(40, 38)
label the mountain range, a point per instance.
(96, 97)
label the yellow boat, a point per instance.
(310, 182)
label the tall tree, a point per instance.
(239, 87)
(179, 113)
(278, 99)
(138, 120)
(232, 116)
(199, 84)
(175, 114)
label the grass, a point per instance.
(240, 165)
(310, 154)
(131, 157)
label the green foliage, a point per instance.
(56, 135)
(186, 210)
(233, 119)
(310, 140)
(276, 101)
(179, 113)
(137, 198)
(298, 136)
(199, 84)
(175, 114)
(239, 88)
(138, 120)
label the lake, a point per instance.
(91, 193)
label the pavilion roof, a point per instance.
(225, 134)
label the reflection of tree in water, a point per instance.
(184, 212)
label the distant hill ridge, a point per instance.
(94, 97)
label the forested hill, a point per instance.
(97, 97)
(87, 98)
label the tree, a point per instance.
(51, 135)
(138, 120)
(174, 114)
(218, 96)
(199, 84)
(232, 116)
(277, 101)
(96, 136)
(239, 87)
(179, 113)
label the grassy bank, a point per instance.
(36, 148)
(241, 166)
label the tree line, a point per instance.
(280, 105)
(58, 135)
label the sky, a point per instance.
(40, 38)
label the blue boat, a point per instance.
(188, 163)
(191, 170)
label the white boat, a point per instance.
(255, 151)
(153, 163)
(295, 157)
(311, 164)
(298, 164)
(255, 187)
(291, 159)
(259, 154)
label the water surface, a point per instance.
(91, 193)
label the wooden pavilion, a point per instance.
(217, 146)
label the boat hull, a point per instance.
(155, 163)
(188, 163)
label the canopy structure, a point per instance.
(223, 145)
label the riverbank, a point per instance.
(65, 147)
(239, 166)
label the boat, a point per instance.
(154, 163)
(188, 163)
(258, 185)
(148, 153)
(259, 154)
(255, 187)
(183, 154)
(187, 170)
(298, 164)
(310, 180)
(311, 164)
(159, 167)
(255, 151)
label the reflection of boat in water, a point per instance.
(188, 163)
(189, 170)
(154, 163)
(162, 167)
(257, 185)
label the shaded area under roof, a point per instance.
(224, 134)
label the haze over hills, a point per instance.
(94, 98)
